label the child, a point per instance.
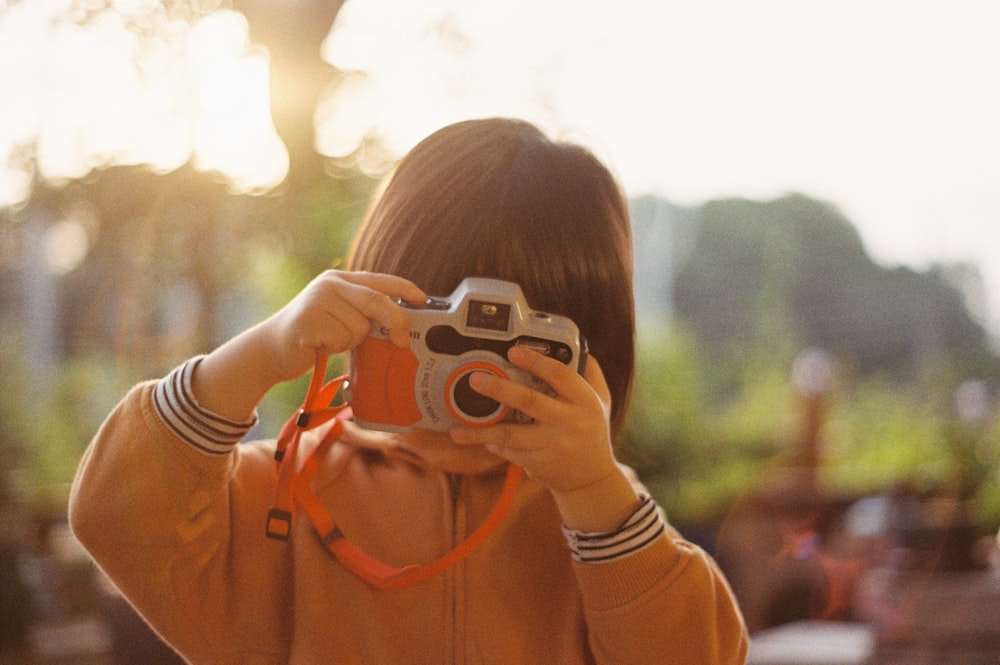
(583, 569)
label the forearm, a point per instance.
(231, 380)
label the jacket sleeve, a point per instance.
(156, 515)
(666, 603)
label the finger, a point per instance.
(375, 305)
(527, 400)
(490, 440)
(563, 379)
(498, 439)
(594, 375)
(391, 285)
(353, 326)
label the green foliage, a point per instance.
(801, 260)
(85, 391)
(756, 283)
(696, 450)
(15, 424)
(881, 437)
(48, 415)
(701, 439)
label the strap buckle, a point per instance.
(279, 524)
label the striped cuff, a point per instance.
(179, 410)
(642, 528)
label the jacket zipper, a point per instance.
(457, 521)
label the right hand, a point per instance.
(333, 314)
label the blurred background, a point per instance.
(814, 196)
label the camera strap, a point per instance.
(295, 493)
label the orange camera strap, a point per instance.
(294, 492)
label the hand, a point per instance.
(333, 314)
(569, 443)
(568, 446)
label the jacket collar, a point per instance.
(429, 450)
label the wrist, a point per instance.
(638, 531)
(199, 427)
(233, 378)
(601, 506)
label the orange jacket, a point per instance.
(181, 533)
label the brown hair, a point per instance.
(496, 198)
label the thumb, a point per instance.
(594, 375)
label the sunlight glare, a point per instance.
(99, 93)
(450, 60)
(64, 246)
(231, 81)
(96, 109)
(15, 184)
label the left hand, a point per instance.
(568, 446)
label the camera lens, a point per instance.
(471, 403)
(468, 407)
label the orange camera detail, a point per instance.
(382, 383)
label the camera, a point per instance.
(426, 386)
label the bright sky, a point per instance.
(889, 109)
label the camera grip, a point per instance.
(382, 381)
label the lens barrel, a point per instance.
(467, 406)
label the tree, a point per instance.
(801, 261)
(172, 261)
(752, 284)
